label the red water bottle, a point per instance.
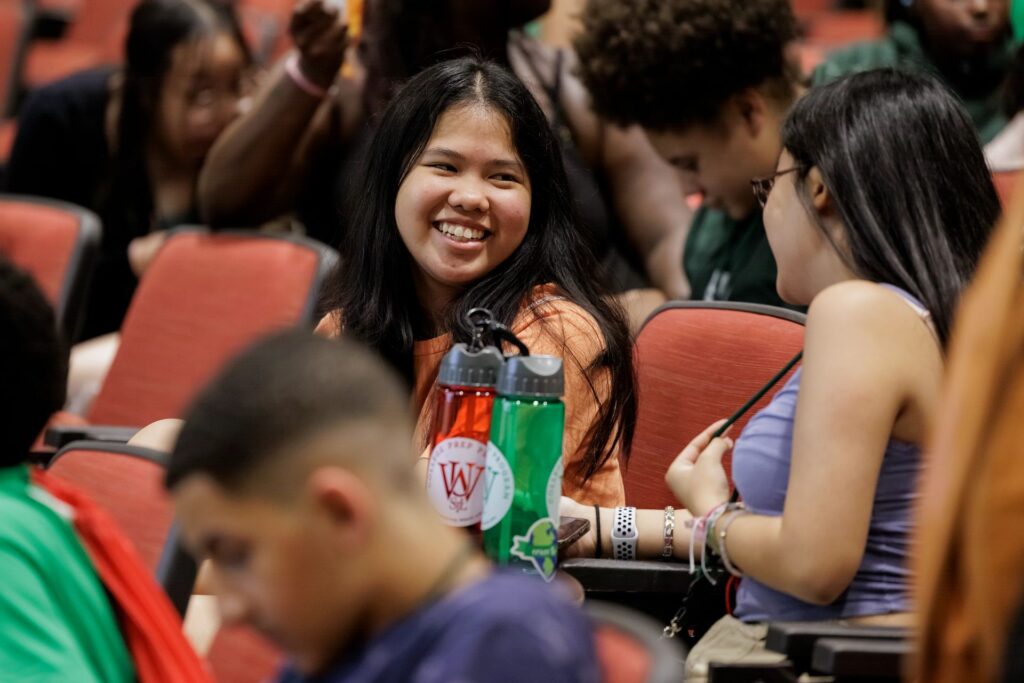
(461, 426)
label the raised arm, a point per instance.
(255, 168)
(648, 200)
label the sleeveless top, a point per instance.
(761, 461)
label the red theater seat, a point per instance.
(698, 362)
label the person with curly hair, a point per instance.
(710, 81)
(967, 45)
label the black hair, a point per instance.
(407, 36)
(287, 387)
(33, 364)
(156, 28)
(669, 64)
(906, 172)
(374, 284)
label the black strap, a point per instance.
(750, 404)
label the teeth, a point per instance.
(461, 232)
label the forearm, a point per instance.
(245, 178)
(650, 526)
(664, 263)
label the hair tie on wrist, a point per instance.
(291, 67)
(597, 528)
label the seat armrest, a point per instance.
(622, 576)
(796, 639)
(60, 436)
(779, 672)
(880, 660)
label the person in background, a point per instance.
(291, 478)
(302, 147)
(969, 556)
(76, 603)
(128, 142)
(465, 205)
(710, 83)
(967, 45)
(877, 212)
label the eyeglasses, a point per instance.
(763, 186)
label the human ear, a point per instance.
(821, 197)
(751, 106)
(344, 501)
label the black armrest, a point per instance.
(796, 640)
(60, 436)
(880, 660)
(780, 672)
(50, 23)
(621, 576)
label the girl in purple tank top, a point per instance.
(878, 210)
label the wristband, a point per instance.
(669, 532)
(726, 522)
(624, 534)
(291, 67)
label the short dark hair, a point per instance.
(284, 389)
(375, 288)
(903, 163)
(33, 364)
(668, 64)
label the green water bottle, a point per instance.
(523, 480)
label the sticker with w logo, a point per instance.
(454, 476)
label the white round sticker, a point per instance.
(455, 481)
(554, 492)
(499, 488)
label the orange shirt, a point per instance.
(548, 325)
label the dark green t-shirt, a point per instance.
(729, 260)
(979, 87)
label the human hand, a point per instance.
(142, 251)
(585, 545)
(696, 477)
(320, 33)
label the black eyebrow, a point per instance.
(452, 154)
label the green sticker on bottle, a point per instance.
(539, 546)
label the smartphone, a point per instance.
(571, 529)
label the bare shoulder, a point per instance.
(330, 325)
(855, 303)
(865, 320)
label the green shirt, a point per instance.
(729, 260)
(978, 87)
(56, 621)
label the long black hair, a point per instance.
(906, 172)
(156, 28)
(374, 285)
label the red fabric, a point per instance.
(621, 657)
(95, 36)
(695, 366)
(834, 29)
(204, 298)
(130, 490)
(149, 623)
(8, 131)
(12, 24)
(240, 655)
(40, 239)
(1006, 182)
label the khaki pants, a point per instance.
(729, 641)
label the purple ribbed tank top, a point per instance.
(761, 460)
